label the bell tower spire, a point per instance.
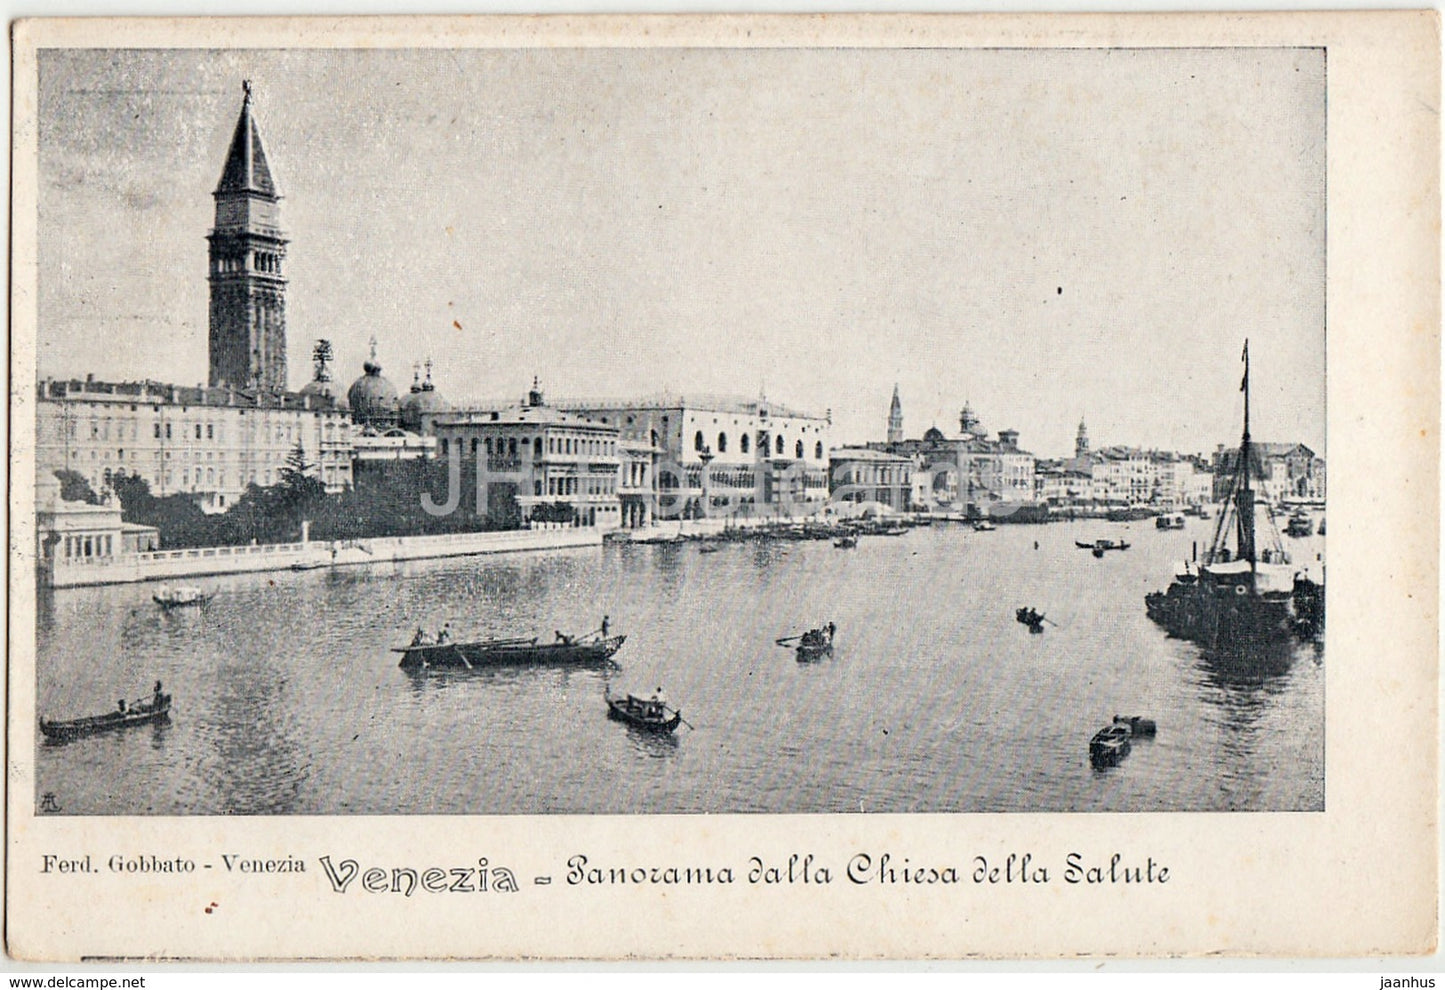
(247, 248)
(895, 418)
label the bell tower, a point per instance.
(895, 418)
(248, 289)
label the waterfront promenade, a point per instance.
(202, 561)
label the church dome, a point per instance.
(372, 398)
(325, 390)
(422, 400)
(934, 435)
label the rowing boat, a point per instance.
(156, 709)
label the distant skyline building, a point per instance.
(895, 418)
(247, 249)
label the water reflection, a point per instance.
(655, 745)
(289, 699)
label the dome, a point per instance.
(372, 398)
(934, 435)
(325, 390)
(422, 400)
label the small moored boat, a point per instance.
(1300, 524)
(167, 596)
(153, 709)
(1137, 725)
(846, 542)
(1173, 520)
(651, 714)
(1109, 745)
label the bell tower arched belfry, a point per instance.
(248, 287)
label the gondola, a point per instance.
(1100, 547)
(813, 644)
(651, 716)
(1032, 618)
(156, 709)
(565, 650)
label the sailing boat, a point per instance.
(1239, 599)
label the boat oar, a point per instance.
(1045, 618)
(684, 721)
(788, 639)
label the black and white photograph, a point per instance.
(488, 416)
(674, 430)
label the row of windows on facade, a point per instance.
(877, 476)
(699, 444)
(213, 479)
(88, 546)
(285, 433)
(264, 261)
(555, 445)
(242, 457)
(692, 477)
(597, 485)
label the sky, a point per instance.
(1046, 235)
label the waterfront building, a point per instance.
(725, 456)
(971, 472)
(207, 443)
(538, 464)
(211, 441)
(247, 251)
(79, 532)
(636, 486)
(1285, 471)
(1122, 476)
(862, 475)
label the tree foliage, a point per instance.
(75, 488)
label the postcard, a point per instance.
(753, 487)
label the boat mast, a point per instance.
(1246, 494)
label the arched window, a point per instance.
(818, 451)
(654, 438)
(780, 443)
(722, 443)
(537, 450)
(745, 442)
(697, 443)
(798, 450)
(512, 447)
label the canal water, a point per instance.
(289, 701)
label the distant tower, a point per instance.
(1081, 441)
(968, 422)
(895, 419)
(248, 292)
